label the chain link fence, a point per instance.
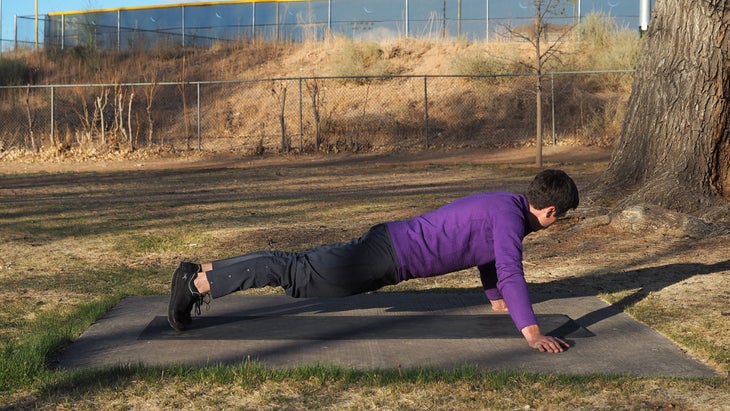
(330, 114)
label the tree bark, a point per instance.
(538, 86)
(674, 147)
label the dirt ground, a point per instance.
(669, 271)
(551, 156)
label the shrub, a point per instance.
(478, 62)
(15, 72)
(360, 59)
(605, 46)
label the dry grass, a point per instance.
(358, 115)
(376, 392)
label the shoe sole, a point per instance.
(179, 326)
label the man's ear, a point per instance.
(550, 211)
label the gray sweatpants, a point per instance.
(365, 264)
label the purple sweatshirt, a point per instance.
(471, 231)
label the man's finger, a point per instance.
(562, 342)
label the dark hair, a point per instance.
(553, 188)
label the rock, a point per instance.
(645, 217)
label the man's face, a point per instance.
(546, 217)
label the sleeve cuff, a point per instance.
(493, 294)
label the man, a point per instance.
(483, 230)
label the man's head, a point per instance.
(554, 192)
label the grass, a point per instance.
(23, 362)
(690, 332)
(167, 242)
(29, 384)
(75, 246)
(326, 387)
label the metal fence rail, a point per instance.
(313, 113)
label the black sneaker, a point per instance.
(183, 296)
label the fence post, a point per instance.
(182, 30)
(486, 36)
(119, 30)
(53, 137)
(425, 106)
(301, 121)
(407, 20)
(199, 136)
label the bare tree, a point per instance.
(118, 105)
(674, 146)
(119, 127)
(29, 117)
(150, 89)
(182, 87)
(101, 103)
(314, 92)
(545, 48)
(280, 96)
(88, 121)
(129, 122)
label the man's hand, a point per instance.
(543, 343)
(499, 305)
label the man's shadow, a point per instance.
(641, 282)
(401, 305)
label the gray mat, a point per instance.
(379, 330)
(401, 327)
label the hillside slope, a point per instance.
(349, 100)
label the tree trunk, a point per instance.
(538, 89)
(674, 147)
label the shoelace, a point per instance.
(198, 299)
(201, 299)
